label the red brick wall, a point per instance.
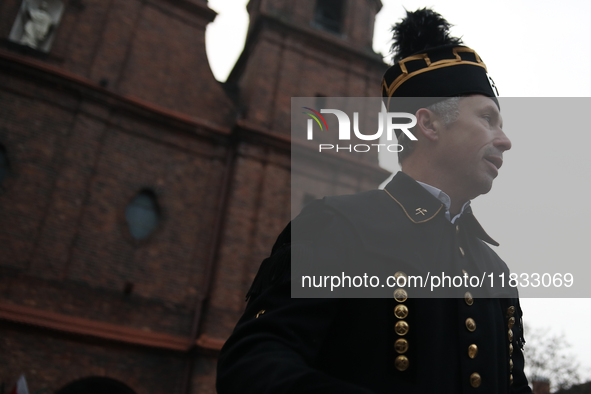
(152, 50)
(357, 24)
(285, 66)
(220, 171)
(76, 163)
(52, 360)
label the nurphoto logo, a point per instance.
(388, 121)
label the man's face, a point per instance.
(471, 148)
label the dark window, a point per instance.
(4, 165)
(329, 14)
(143, 214)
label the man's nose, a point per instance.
(502, 142)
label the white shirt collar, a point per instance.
(445, 199)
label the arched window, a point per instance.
(95, 385)
(143, 214)
(328, 15)
(4, 165)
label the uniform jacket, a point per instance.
(467, 344)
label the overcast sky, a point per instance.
(538, 208)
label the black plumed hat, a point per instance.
(430, 64)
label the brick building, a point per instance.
(138, 195)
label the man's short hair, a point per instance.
(447, 109)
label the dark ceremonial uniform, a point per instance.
(393, 345)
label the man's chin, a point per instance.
(487, 186)
(481, 187)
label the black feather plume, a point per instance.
(420, 30)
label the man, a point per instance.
(421, 222)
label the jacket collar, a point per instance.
(469, 221)
(420, 206)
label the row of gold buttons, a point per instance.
(401, 327)
(475, 379)
(510, 324)
(472, 349)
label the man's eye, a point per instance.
(487, 118)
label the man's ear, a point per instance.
(428, 124)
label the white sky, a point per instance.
(532, 49)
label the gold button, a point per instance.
(475, 380)
(399, 274)
(401, 363)
(510, 332)
(401, 311)
(457, 228)
(462, 251)
(261, 312)
(472, 351)
(510, 349)
(401, 345)
(510, 311)
(401, 327)
(511, 379)
(468, 298)
(510, 364)
(465, 272)
(400, 295)
(470, 324)
(511, 322)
